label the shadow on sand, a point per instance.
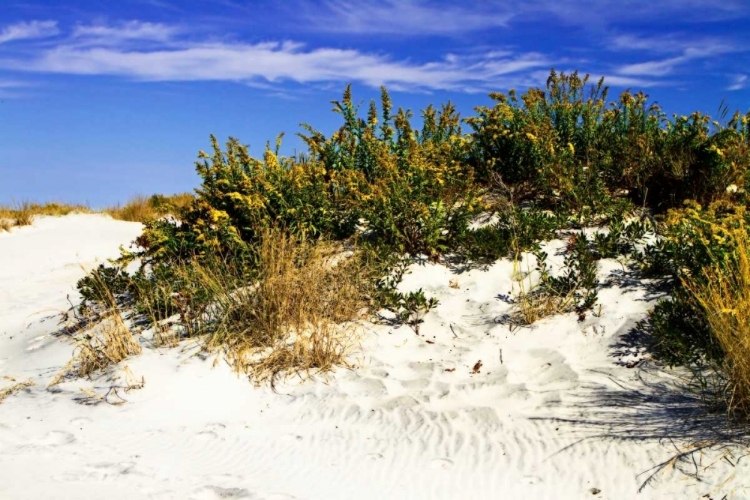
(656, 404)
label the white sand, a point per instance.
(554, 412)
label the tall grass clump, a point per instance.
(723, 291)
(299, 314)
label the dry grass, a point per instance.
(533, 304)
(107, 343)
(137, 209)
(297, 312)
(724, 293)
(23, 213)
(145, 208)
(17, 387)
(300, 316)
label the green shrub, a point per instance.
(567, 147)
(620, 239)
(516, 230)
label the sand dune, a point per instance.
(563, 409)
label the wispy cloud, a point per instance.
(739, 82)
(604, 12)
(674, 43)
(150, 51)
(434, 17)
(405, 17)
(10, 89)
(652, 68)
(28, 30)
(681, 50)
(130, 30)
(158, 52)
(278, 62)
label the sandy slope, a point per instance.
(556, 411)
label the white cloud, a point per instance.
(274, 62)
(159, 52)
(676, 43)
(688, 51)
(739, 82)
(625, 81)
(28, 30)
(652, 68)
(130, 30)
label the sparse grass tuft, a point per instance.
(106, 343)
(573, 289)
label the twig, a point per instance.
(452, 330)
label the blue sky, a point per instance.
(105, 100)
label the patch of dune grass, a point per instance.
(23, 213)
(295, 310)
(299, 314)
(106, 343)
(144, 208)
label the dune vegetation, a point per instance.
(137, 209)
(666, 194)
(23, 213)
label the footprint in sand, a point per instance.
(55, 438)
(366, 387)
(217, 493)
(80, 421)
(441, 463)
(97, 472)
(207, 435)
(211, 431)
